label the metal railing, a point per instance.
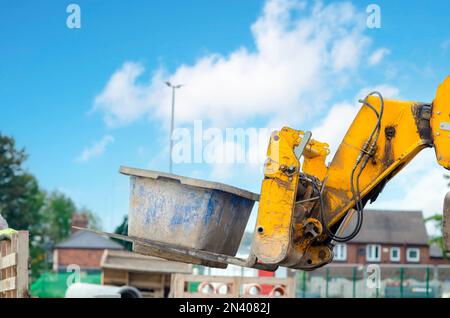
(375, 280)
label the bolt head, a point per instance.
(322, 254)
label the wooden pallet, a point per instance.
(14, 266)
(235, 285)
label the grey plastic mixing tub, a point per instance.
(187, 212)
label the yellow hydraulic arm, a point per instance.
(305, 205)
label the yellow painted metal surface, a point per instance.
(440, 124)
(315, 155)
(277, 234)
(391, 153)
(272, 238)
(281, 233)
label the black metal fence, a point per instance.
(375, 280)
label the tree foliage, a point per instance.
(21, 199)
(47, 216)
(122, 229)
(20, 196)
(56, 216)
(94, 221)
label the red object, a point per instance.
(266, 289)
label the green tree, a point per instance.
(20, 197)
(93, 219)
(56, 216)
(47, 217)
(122, 229)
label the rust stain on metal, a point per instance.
(422, 115)
(388, 155)
(283, 184)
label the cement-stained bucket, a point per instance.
(187, 212)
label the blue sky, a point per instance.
(55, 98)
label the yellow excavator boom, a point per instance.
(305, 208)
(305, 205)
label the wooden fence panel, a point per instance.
(14, 255)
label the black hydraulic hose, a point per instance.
(356, 192)
(371, 144)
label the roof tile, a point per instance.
(89, 240)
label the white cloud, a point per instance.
(387, 91)
(335, 124)
(123, 100)
(96, 149)
(238, 159)
(303, 54)
(423, 187)
(378, 55)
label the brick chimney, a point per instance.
(80, 220)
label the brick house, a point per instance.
(389, 237)
(82, 248)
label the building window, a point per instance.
(395, 254)
(413, 255)
(340, 252)
(361, 251)
(373, 253)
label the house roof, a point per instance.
(129, 261)
(390, 227)
(88, 240)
